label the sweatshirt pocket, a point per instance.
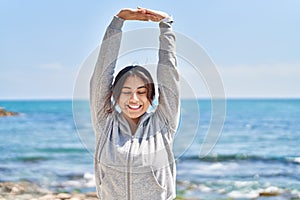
(145, 185)
(157, 181)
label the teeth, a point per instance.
(134, 107)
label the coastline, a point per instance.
(29, 191)
(24, 190)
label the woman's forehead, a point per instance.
(133, 82)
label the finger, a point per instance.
(140, 9)
(151, 11)
(157, 13)
(154, 18)
(142, 12)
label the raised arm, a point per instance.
(167, 75)
(101, 81)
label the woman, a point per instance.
(133, 157)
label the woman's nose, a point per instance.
(134, 97)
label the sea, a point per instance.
(254, 155)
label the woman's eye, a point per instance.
(142, 92)
(126, 93)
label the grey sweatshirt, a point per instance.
(136, 165)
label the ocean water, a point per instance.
(257, 154)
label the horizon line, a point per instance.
(200, 98)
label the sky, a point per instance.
(254, 44)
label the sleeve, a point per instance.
(168, 77)
(102, 78)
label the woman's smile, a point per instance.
(134, 107)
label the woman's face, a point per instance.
(133, 100)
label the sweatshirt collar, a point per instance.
(124, 125)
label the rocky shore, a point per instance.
(30, 191)
(4, 113)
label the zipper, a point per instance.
(129, 160)
(128, 168)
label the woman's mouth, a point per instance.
(134, 107)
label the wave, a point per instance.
(45, 154)
(32, 159)
(61, 150)
(84, 182)
(242, 157)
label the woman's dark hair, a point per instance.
(120, 79)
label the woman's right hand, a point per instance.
(142, 14)
(154, 15)
(133, 14)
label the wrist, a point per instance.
(117, 23)
(168, 19)
(119, 16)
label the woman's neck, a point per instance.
(133, 123)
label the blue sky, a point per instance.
(254, 44)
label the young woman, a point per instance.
(133, 157)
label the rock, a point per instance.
(47, 197)
(78, 196)
(17, 190)
(91, 194)
(270, 191)
(4, 113)
(30, 191)
(63, 196)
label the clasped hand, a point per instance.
(142, 14)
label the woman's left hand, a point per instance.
(142, 14)
(133, 14)
(154, 15)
